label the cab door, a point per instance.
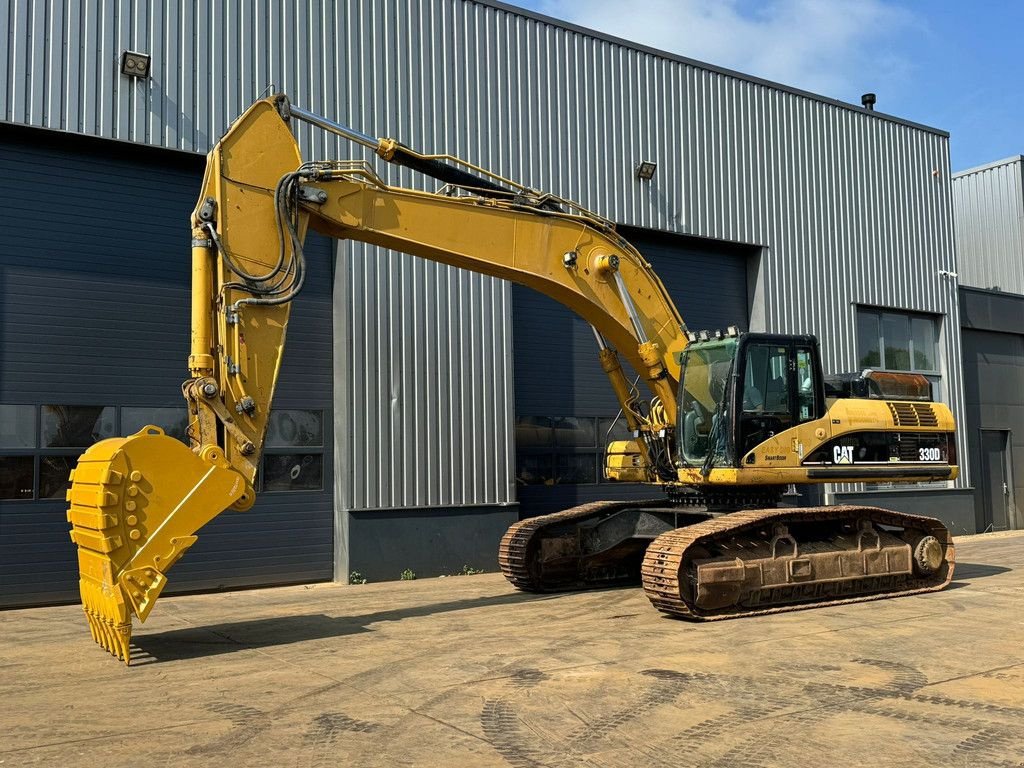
(781, 388)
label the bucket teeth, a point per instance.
(124, 637)
(92, 624)
(114, 637)
(109, 626)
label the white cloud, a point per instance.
(837, 48)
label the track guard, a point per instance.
(135, 505)
(753, 562)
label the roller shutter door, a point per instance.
(563, 399)
(993, 387)
(94, 311)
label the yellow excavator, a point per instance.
(732, 419)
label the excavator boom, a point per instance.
(137, 502)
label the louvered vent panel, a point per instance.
(913, 415)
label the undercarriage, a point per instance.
(705, 562)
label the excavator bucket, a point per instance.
(135, 505)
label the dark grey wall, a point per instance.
(429, 542)
(993, 355)
(94, 309)
(557, 372)
(954, 507)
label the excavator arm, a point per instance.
(136, 503)
(705, 552)
(257, 202)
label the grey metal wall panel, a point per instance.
(424, 403)
(94, 309)
(991, 310)
(955, 508)
(429, 542)
(850, 207)
(988, 208)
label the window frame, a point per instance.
(297, 450)
(909, 315)
(38, 452)
(934, 375)
(556, 450)
(26, 451)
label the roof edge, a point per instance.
(543, 18)
(989, 166)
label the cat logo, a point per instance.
(843, 454)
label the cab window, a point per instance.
(766, 407)
(766, 385)
(805, 389)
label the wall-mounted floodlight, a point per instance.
(646, 170)
(135, 64)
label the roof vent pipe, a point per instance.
(868, 100)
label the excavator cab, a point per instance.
(739, 390)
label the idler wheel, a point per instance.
(927, 555)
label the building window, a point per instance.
(555, 450)
(897, 341)
(16, 477)
(293, 455)
(40, 445)
(17, 426)
(65, 431)
(17, 451)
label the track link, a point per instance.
(668, 581)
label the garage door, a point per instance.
(564, 404)
(94, 312)
(993, 387)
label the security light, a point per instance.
(135, 64)
(646, 170)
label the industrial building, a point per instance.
(988, 207)
(422, 409)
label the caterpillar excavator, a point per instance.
(731, 419)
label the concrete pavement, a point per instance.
(464, 671)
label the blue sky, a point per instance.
(958, 66)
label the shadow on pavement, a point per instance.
(965, 573)
(215, 639)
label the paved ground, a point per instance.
(465, 672)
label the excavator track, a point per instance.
(756, 562)
(535, 558)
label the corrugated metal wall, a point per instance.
(988, 207)
(424, 402)
(851, 207)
